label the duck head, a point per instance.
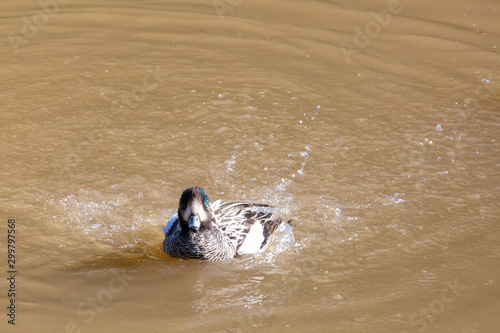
(194, 210)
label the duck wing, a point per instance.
(247, 225)
(173, 222)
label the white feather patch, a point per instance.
(170, 223)
(253, 240)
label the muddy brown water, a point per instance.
(374, 125)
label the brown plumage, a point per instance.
(216, 230)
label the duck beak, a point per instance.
(194, 223)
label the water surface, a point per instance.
(377, 132)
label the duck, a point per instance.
(217, 230)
